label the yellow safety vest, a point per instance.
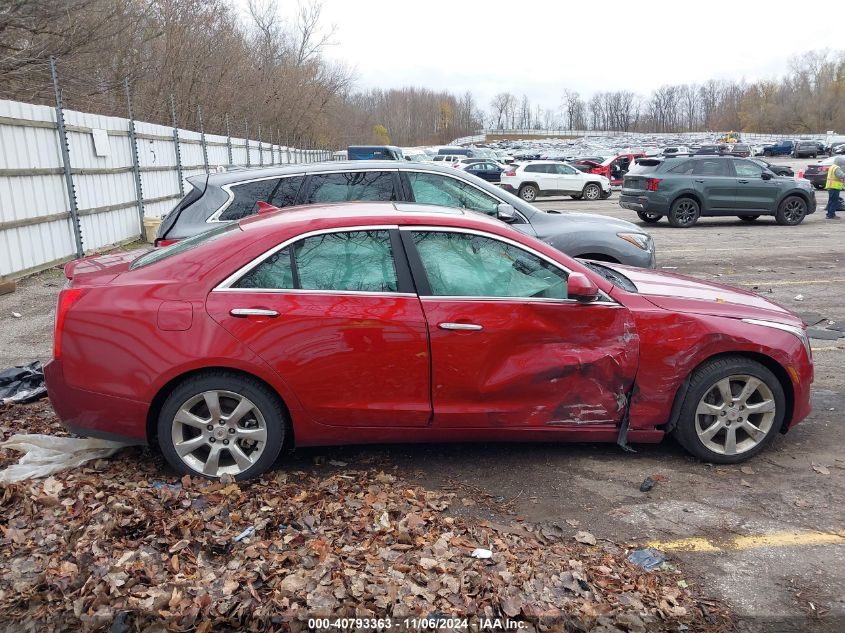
(832, 181)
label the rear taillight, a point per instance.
(651, 184)
(67, 298)
(510, 172)
(160, 242)
(823, 169)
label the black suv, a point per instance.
(684, 189)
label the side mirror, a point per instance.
(581, 288)
(506, 213)
(766, 175)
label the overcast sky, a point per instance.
(539, 48)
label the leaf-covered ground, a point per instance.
(119, 545)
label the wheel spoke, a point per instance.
(756, 434)
(748, 390)
(212, 401)
(705, 408)
(213, 461)
(766, 406)
(256, 435)
(189, 446)
(707, 434)
(241, 459)
(244, 407)
(189, 419)
(730, 440)
(725, 389)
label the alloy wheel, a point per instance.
(794, 211)
(735, 414)
(592, 192)
(219, 432)
(685, 212)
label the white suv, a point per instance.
(550, 178)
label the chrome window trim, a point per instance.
(300, 291)
(606, 299)
(226, 284)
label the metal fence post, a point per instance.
(63, 143)
(176, 146)
(287, 150)
(228, 140)
(136, 167)
(202, 138)
(246, 140)
(260, 152)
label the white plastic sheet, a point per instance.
(47, 454)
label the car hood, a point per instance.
(686, 294)
(592, 219)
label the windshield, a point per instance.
(185, 245)
(613, 276)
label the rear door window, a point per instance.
(372, 186)
(711, 167)
(450, 192)
(684, 167)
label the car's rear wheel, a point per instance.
(218, 423)
(591, 192)
(732, 410)
(528, 193)
(651, 218)
(791, 211)
(748, 218)
(684, 213)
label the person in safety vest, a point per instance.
(834, 184)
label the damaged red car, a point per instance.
(386, 322)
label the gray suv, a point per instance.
(224, 197)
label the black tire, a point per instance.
(591, 192)
(703, 381)
(684, 213)
(651, 218)
(748, 218)
(528, 193)
(264, 400)
(576, 196)
(791, 211)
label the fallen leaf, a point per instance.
(822, 470)
(585, 537)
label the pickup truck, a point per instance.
(782, 148)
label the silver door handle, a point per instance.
(460, 326)
(743, 181)
(245, 312)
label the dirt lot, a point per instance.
(768, 537)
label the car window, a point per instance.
(747, 169)
(274, 273)
(450, 192)
(467, 265)
(564, 169)
(286, 191)
(711, 167)
(246, 197)
(352, 186)
(184, 245)
(538, 169)
(684, 167)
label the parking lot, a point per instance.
(767, 537)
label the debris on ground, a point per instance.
(648, 483)
(799, 297)
(47, 454)
(585, 537)
(22, 384)
(480, 552)
(647, 558)
(101, 544)
(821, 469)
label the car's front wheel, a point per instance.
(218, 423)
(748, 218)
(651, 218)
(528, 193)
(733, 408)
(591, 192)
(684, 213)
(791, 211)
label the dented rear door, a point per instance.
(518, 361)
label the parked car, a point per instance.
(415, 155)
(782, 148)
(777, 170)
(549, 178)
(816, 173)
(374, 152)
(361, 323)
(615, 167)
(740, 150)
(227, 197)
(757, 150)
(688, 188)
(805, 149)
(707, 150)
(486, 170)
(469, 152)
(448, 159)
(676, 151)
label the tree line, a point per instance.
(255, 73)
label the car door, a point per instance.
(508, 347)
(753, 192)
(335, 315)
(567, 179)
(713, 178)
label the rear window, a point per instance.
(644, 166)
(160, 254)
(280, 192)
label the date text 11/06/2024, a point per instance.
(413, 624)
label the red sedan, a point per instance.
(381, 322)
